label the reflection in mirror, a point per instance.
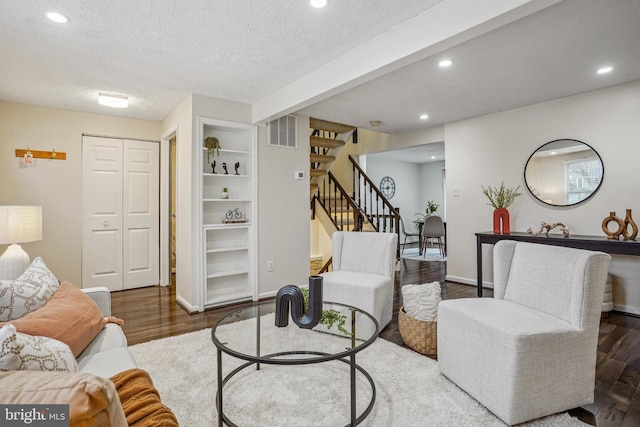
(564, 172)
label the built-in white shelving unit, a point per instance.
(228, 242)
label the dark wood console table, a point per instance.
(593, 243)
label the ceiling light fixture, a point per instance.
(112, 100)
(604, 70)
(445, 63)
(57, 17)
(424, 116)
(375, 123)
(319, 3)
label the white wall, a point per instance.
(494, 148)
(56, 185)
(180, 119)
(408, 195)
(283, 212)
(431, 186)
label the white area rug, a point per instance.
(410, 390)
(433, 254)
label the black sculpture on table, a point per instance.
(224, 166)
(213, 167)
(293, 294)
(237, 166)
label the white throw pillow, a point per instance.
(421, 301)
(28, 292)
(22, 352)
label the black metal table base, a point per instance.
(351, 361)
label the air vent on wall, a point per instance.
(282, 132)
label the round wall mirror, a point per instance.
(564, 172)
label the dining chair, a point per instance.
(433, 228)
(407, 233)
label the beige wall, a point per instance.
(494, 148)
(56, 185)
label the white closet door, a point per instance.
(141, 214)
(102, 213)
(120, 213)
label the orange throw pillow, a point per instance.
(70, 316)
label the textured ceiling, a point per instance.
(547, 55)
(160, 51)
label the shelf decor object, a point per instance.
(613, 235)
(629, 222)
(213, 147)
(501, 198)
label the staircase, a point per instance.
(327, 140)
(363, 207)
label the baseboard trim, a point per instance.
(626, 309)
(265, 295)
(184, 304)
(467, 281)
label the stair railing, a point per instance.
(340, 207)
(377, 208)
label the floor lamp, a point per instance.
(18, 224)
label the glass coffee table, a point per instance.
(250, 334)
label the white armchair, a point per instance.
(363, 272)
(530, 351)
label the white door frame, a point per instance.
(165, 203)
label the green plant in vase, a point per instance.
(329, 317)
(213, 147)
(432, 208)
(500, 197)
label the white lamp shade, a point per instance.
(20, 224)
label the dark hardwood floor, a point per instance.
(152, 313)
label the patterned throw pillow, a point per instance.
(421, 301)
(22, 352)
(28, 292)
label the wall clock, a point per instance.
(387, 187)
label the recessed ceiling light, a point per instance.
(424, 116)
(445, 63)
(433, 157)
(319, 3)
(57, 17)
(604, 70)
(113, 100)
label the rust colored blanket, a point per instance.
(141, 401)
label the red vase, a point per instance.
(501, 221)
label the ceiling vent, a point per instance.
(283, 132)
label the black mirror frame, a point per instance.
(526, 184)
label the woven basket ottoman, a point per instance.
(420, 335)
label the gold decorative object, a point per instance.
(546, 228)
(628, 221)
(613, 235)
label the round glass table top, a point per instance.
(250, 334)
